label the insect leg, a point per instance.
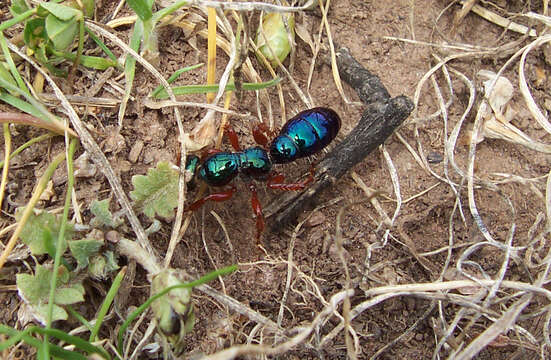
(217, 196)
(257, 210)
(277, 181)
(261, 133)
(232, 136)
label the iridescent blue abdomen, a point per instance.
(305, 134)
(220, 168)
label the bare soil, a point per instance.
(424, 222)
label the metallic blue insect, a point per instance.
(303, 135)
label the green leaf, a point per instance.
(41, 233)
(158, 191)
(34, 289)
(102, 215)
(142, 8)
(42, 312)
(83, 249)
(18, 7)
(111, 263)
(62, 12)
(62, 33)
(93, 62)
(69, 295)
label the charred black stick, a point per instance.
(382, 116)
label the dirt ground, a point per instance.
(376, 253)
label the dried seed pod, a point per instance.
(174, 311)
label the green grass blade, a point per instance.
(20, 104)
(169, 10)
(107, 303)
(11, 64)
(93, 62)
(16, 336)
(130, 67)
(203, 89)
(100, 43)
(79, 317)
(79, 343)
(16, 20)
(27, 144)
(175, 76)
(61, 237)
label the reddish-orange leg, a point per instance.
(277, 181)
(260, 130)
(257, 210)
(217, 196)
(232, 136)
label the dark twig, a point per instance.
(382, 116)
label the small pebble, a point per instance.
(112, 236)
(434, 158)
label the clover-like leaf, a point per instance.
(62, 33)
(41, 233)
(83, 249)
(102, 214)
(35, 291)
(62, 12)
(157, 191)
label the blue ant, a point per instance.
(305, 134)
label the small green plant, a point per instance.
(51, 30)
(35, 289)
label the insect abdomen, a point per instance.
(305, 134)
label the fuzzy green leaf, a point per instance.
(83, 249)
(158, 191)
(41, 312)
(34, 289)
(41, 233)
(102, 215)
